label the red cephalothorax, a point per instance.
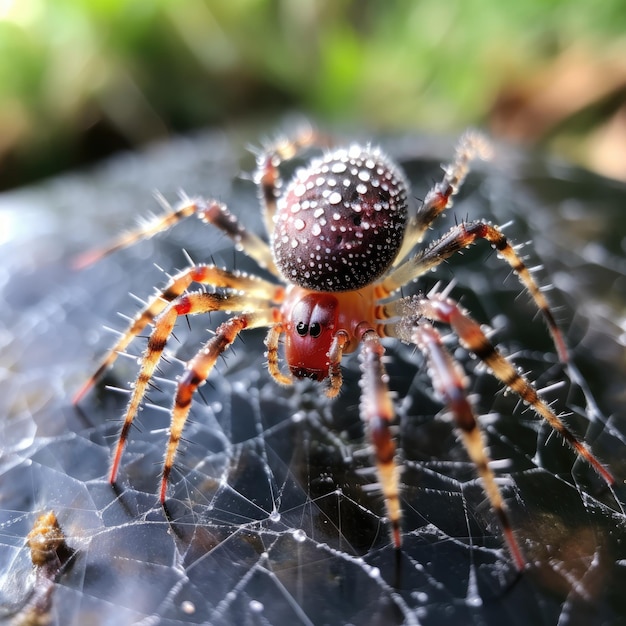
(309, 331)
(343, 243)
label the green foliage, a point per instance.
(144, 69)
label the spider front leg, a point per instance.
(198, 370)
(449, 381)
(189, 304)
(178, 284)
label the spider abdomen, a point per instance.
(340, 222)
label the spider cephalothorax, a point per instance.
(342, 245)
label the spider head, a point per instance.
(309, 332)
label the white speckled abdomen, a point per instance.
(340, 223)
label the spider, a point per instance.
(341, 247)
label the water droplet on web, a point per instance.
(275, 516)
(188, 607)
(299, 535)
(474, 600)
(421, 597)
(256, 606)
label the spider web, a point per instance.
(271, 516)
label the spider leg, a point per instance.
(449, 381)
(447, 311)
(271, 342)
(456, 239)
(188, 304)
(269, 158)
(335, 354)
(198, 370)
(178, 284)
(378, 413)
(209, 211)
(472, 145)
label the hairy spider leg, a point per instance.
(442, 309)
(271, 343)
(335, 354)
(188, 304)
(450, 382)
(377, 412)
(198, 370)
(177, 285)
(269, 159)
(472, 145)
(209, 211)
(458, 238)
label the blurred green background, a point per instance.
(80, 79)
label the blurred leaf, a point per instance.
(80, 78)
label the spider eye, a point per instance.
(315, 330)
(302, 329)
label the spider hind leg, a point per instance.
(209, 211)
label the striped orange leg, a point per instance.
(269, 158)
(377, 412)
(472, 145)
(442, 309)
(449, 381)
(267, 175)
(210, 211)
(271, 343)
(335, 354)
(188, 304)
(178, 284)
(455, 240)
(198, 370)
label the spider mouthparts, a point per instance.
(313, 374)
